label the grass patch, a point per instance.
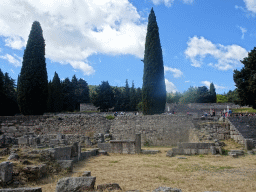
(113, 162)
(244, 110)
(110, 117)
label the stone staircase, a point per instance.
(246, 125)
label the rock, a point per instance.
(166, 189)
(236, 152)
(66, 164)
(78, 184)
(102, 152)
(150, 151)
(13, 156)
(250, 152)
(109, 187)
(181, 157)
(35, 172)
(169, 153)
(36, 189)
(86, 174)
(6, 169)
(213, 150)
(26, 162)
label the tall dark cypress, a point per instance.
(212, 93)
(57, 95)
(154, 89)
(33, 83)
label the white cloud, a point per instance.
(12, 71)
(75, 29)
(170, 87)
(168, 3)
(16, 61)
(217, 87)
(187, 81)
(228, 57)
(250, 5)
(176, 72)
(244, 30)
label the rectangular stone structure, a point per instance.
(34, 189)
(249, 144)
(6, 169)
(22, 141)
(138, 143)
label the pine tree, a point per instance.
(68, 95)
(83, 90)
(2, 94)
(33, 83)
(50, 98)
(104, 97)
(126, 95)
(118, 98)
(153, 90)
(212, 93)
(245, 80)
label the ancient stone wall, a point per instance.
(159, 130)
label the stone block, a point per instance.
(203, 151)
(237, 152)
(187, 151)
(22, 141)
(11, 129)
(149, 151)
(35, 172)
(109, 187)
(169, 153)
(75, 184)
(194, 151)
(34, 189)
(54, 141)
(177, 151)
(86, 174)
(6, 169)
(213, 150)
(249, 144)
(105, 147)
(66, 164)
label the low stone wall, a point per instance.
(158, 130)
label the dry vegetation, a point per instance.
(147, 172)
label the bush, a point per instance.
(109, 117)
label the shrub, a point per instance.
(109, 117)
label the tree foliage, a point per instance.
(68, 95)
(245, 80)
(104, 97)
(212, 93)
(189, 96)
(153, 90)
(222, 99)
(33, 83)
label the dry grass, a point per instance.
(147, 172)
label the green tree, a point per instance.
(203, 95)
(50, 98)
(233, 96)
(33, 83)
(83, 95)
(57, 94)
(154, 89)
(212, 93)
(2, 94)
(126, 96)
(103, 98)
(133, 98)
(118, 99)
(68, 95)
(245, 80)
(221, 98)
(173, 97)
(189, 96)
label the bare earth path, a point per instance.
(147, 172)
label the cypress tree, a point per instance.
(57, 96)
(68, 95)
(153, 90)
(126, 94)
(212, 93)
(132, 98)
(33, 83)
(2, 94)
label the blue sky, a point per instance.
(202, 41)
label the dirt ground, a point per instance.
(146, 172)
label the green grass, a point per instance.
(244, 110)
(113, 161)
(109, 117)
